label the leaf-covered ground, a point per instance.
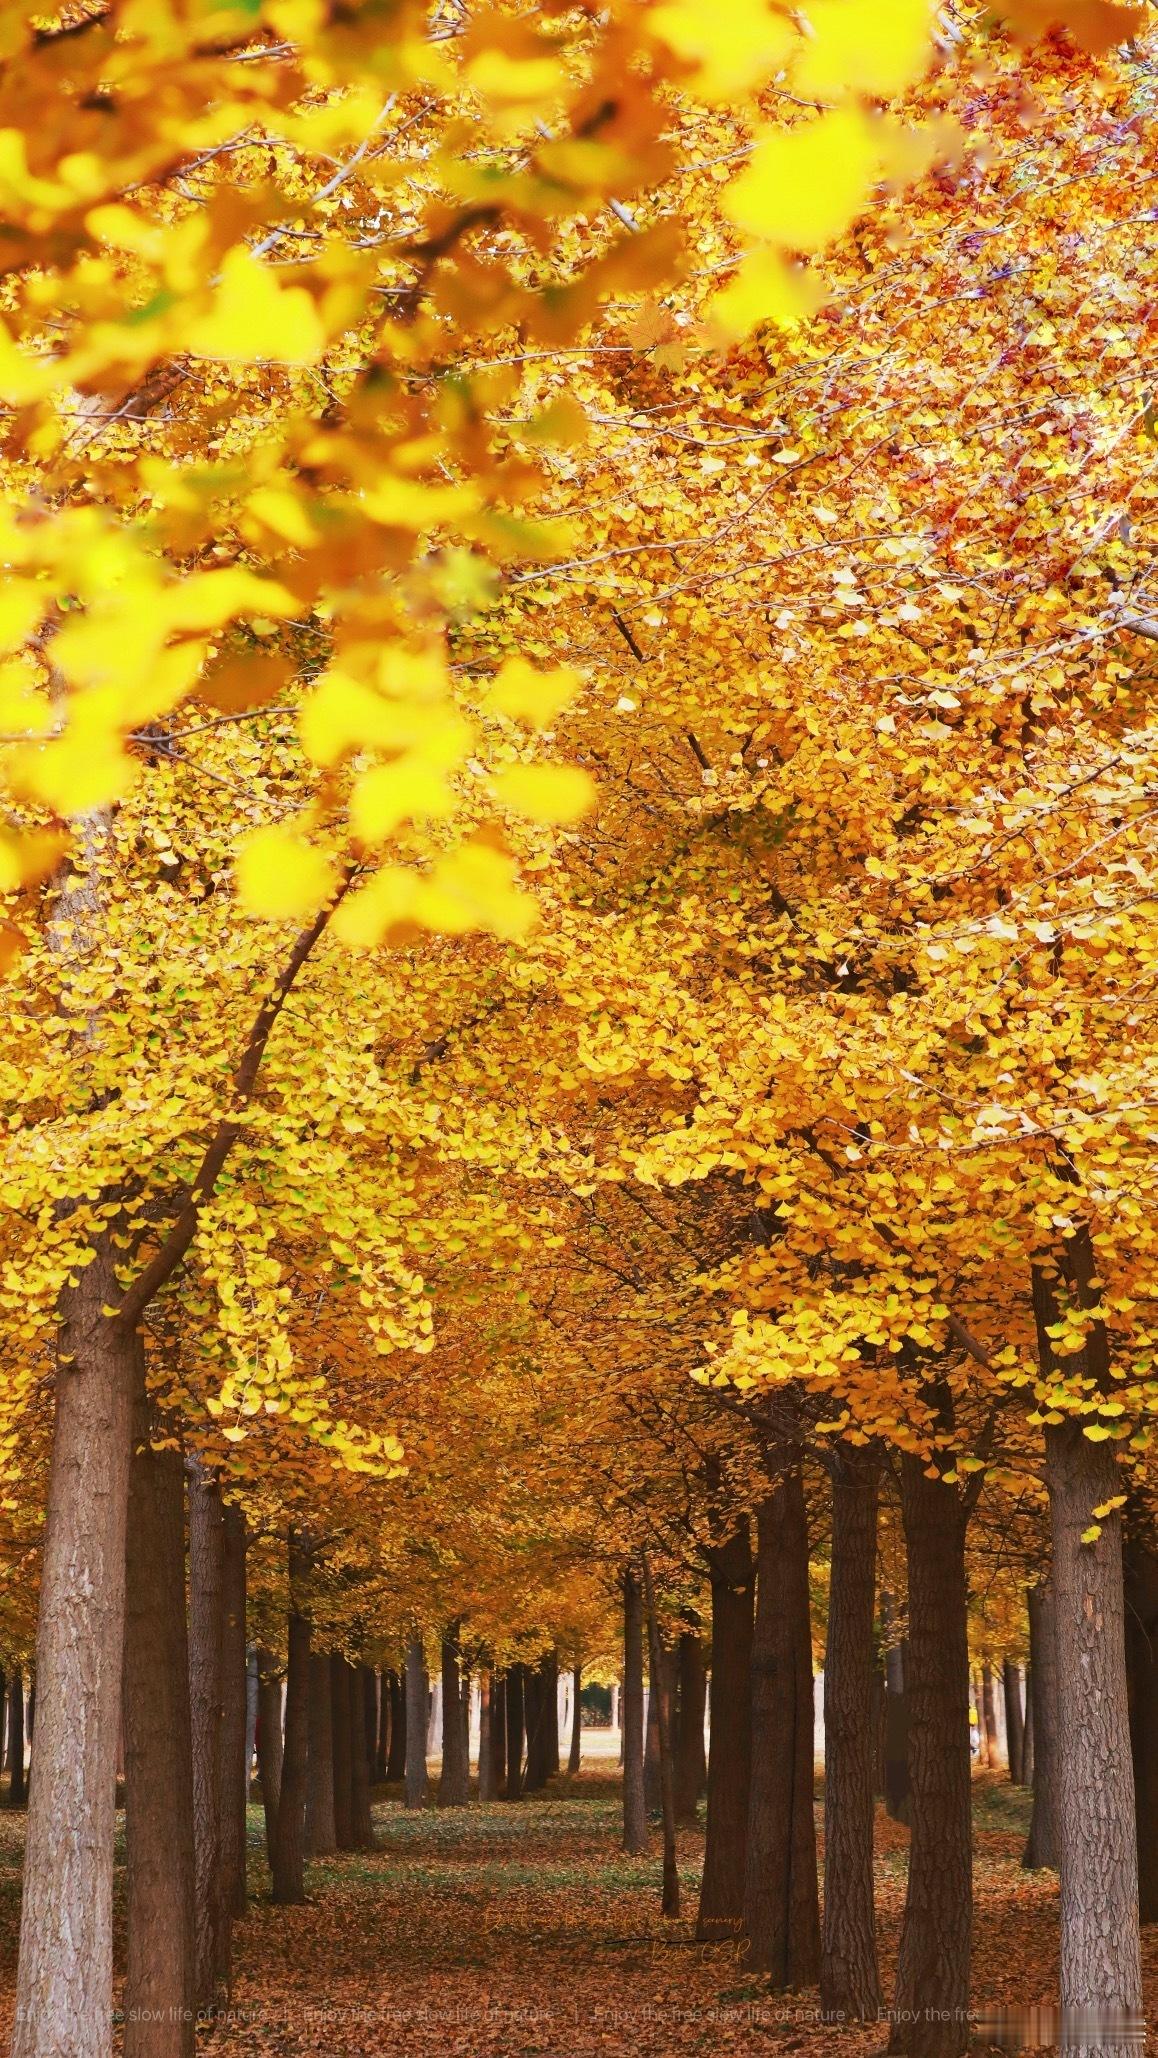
(524, 1930)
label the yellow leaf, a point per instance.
(1096, 1431)
(733, 48)
(530, 696)
(1092, 1534)
(407, 790)
(253, 318)
(804, 185)
(556, 794)
(873, 47)
(279, 875)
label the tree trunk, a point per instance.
(487, 1788)
(1042, 1845)
(895, 1743)
(661, 1676)
(691, 1759)
(635, 1837)
(64, 1984)
(287, 1868)
(234, 1680)
(514, 1732)
(251, 1692)
(932, 1992)
(533, 1774)
(781, 1903)
(159, 1968)
(269, 1743)
(361, 1819)
(721, 1911)
(17, 1776)
(396, 1762)
(1027, 1750)
(382, 1741)
(321, 1835)
(1140, 1568)
(454, 1779)
(988, 1714)
(1014, 1723)
(206, 1625)
(575, 1754)
(415, 1724)
(651, 1799)
(549, 1667)
(850, 1986)
(342, 1733)
(1097, 1835)
(498, 1731)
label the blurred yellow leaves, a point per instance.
(805, 184)
(255, 318)
(280, 876)
(557, 795)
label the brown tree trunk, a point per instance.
(1014, 1722)
(269, 1743)
(1140, 1568)
(1027, 1750)
(895, 1741)
(514, 1732)
(534, 1776)
(575, 1754)
(64, 1984)
(234, 1686)
(487, 1789)
(549, 1666)
(396, 1762)
(382, 1741)
(661, 1677)
(1042, 1844)
(342, 1734)
(498, 1731)
(159, 1967)
(988, 1714)
(721, 1911)
(206, 1623)
(691, 1759)
(1097, 1834)
(415, 1725)
(454, 1779)
(850, 1987)
(635, 1837)
(287, 1868)
(17, 1774)
(932, 1992)
(321, 1835)
(651, 1799)
(781, 1903)
(361, 1819)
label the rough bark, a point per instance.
(269, 1743)
(1014, 1721)
(159, 1966)
(396, 1762)
(361, 1820)
(1140, 1567)
(383, 1738)
(1097, 1835)
(415, 1724)
(781, 1904)
(17, 1772)
(342, 1739)
(1041, 1847)
(895, 1741)
(515, 1713)
(234, 1777)
(932, 1991)
(691, 1758)
(206, 1624)
(454, 1778)
(662, 1676)
(635, 1836)
(287, 1868)
(321, 1835)
(575, 1753)
(64, 1984)
(721, 1910)
(850, 1986)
